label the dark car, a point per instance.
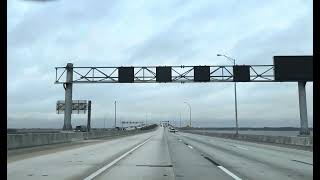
(81, 128)
(120, 128)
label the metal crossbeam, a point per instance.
(147, 74)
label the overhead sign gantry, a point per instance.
(284, 69)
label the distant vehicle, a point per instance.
(81, 128)
(173, 130)
(130, 128)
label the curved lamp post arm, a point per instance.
(229, 58)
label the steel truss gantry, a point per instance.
(147, 74)
(179, 74)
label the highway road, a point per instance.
(256, 132)
(164, 155)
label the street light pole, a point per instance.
(180, 119)
(115, 114)
(235, 92)
(190, 111)
(236, 106)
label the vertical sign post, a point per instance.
(89, 116)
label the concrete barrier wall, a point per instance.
(103, 134)
(15, 141)
(290, 140)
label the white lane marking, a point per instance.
(180, 140)
(101, 170)
(238, 147)
(230, 173)
(242, 147)
(190, 146)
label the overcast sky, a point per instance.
(42, 36)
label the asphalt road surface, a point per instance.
(164, 155)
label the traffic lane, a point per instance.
(73, 163)
(274, 155)
(24, 153)
(249, 163)
(150, 162)
(164, 157)
(290, 164)
(265, 144)
(189, 164)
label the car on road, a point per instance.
(173, 130)
(80, 128)
(120, 128)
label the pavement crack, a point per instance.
(302, 162)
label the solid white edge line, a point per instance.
(190, 146)
(229, 173)
(242, 148)
(99, 171)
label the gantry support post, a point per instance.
(304, 130)
(68, 98)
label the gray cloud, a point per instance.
(108, 33)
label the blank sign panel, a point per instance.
(163, 74)
(241, 73)
(126, 74)
(293, 68)
(201, 73)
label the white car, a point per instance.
(173, 130)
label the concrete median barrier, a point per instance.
(289, 140)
